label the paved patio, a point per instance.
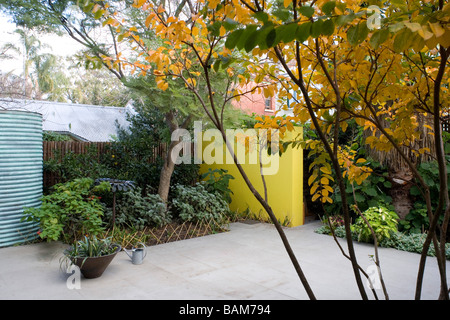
(249, 262)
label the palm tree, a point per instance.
(31, 46)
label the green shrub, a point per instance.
(382, 220)
(138, 211)
(416, 221)
(70, 211)
(78, 166)
(218, 180)
(195, 203)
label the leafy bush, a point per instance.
(382, 220)
(416, 221)
(54, 136)
(77, 166)
(138, 211)
(70, 211)
(195, 203)
(218, 180)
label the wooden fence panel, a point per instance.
(58, 149)
(53, 148)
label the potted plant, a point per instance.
(92, 256)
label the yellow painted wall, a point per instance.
(284, 189)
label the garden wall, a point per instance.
(284, 188)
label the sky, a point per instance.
(60, 46)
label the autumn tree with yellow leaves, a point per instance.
(368, 61)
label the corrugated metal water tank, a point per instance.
(20, 174)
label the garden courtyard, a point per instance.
(248, 262)
(222, 133)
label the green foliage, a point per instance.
(138, 211)
(185, 174)
(430, 173)
(368, 194)
(416, 221)
(217, 181)
(382, 220)
(195, 203)
(133, 156)
(412, 242)
(77, 166)
(69, 212)
(91, 247)
(54, 136)
(335, 221)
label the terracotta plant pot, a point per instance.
(93, 267)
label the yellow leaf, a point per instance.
(286, 3)
(148, 20)
(139, 3)
(344, 126)
(425, 33)
(222, 31)
(413, 26)
(213, 4)
(314, 198)
(361, 160)
(437, 29)
(191, 82)
(324, 180)
(311, 179)
(161, 9)
(108, 21)
(325, 170)
(314, 188)
(162, 85)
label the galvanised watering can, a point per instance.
(137, 254)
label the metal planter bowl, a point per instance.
(93, 267)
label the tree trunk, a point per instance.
(169, 163)
(166, 173)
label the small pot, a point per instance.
(93, 267)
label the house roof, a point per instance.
(85, 122)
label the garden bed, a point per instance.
(401, 241)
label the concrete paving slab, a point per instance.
(247, 263)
